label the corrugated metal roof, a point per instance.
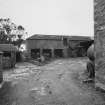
(57, 37)
(7, 47)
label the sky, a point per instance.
(51, 17)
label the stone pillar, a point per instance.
(13, 58)
(29, 53)
(52, 53)
(41, 51)
(65, 52)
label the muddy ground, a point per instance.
(56, 83)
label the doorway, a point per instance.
(58, 53)
(35, 53)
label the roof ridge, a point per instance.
(42, 36)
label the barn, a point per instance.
(54, 46)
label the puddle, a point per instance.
(11, 77)
(21, 70)
(39, 91)
(57, 103)
(60, 63)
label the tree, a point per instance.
(10, 32)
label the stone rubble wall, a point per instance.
(99, 31)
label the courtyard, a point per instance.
(56, 83)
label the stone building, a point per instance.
(55, 46)
(9, 55)
(78, 45)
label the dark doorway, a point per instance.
(47, 52)
(35, 53)
(18, 57)
(6, 54)
(58, 53)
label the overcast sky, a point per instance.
(61, 17)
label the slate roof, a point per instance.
(83, 38)
(57, 37)
(39, 36)
(7, 47)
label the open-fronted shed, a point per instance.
(57, 45)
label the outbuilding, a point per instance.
(55, 46)
(48, 45)
(9, 55)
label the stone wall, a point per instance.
(99, 28)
